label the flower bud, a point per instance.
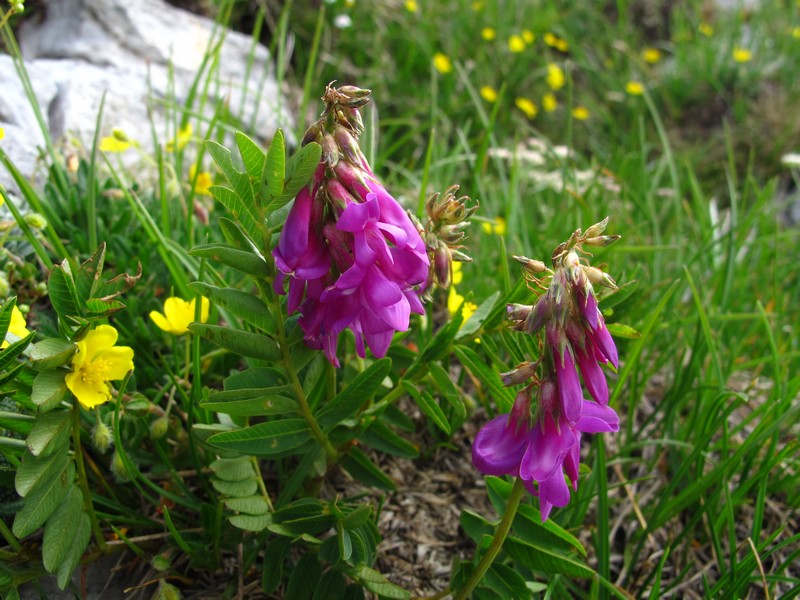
(442, 261)
(521, 411)
(161, 562)
(102, 438)
(603, 240)
(534, 267)
(167, 591)
(518, 312)
(596, 229)
(159, 427)
(118, 468)
(36, 220)
(548, 396)
(537, 317)
(330, 151)
(598, 277)
(5, 287)
(520, 374)
(347, 144)
(312, 134)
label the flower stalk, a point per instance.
(88, 506)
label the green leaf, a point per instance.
(265, 439)
(240, 201)
(251, 505)
(331, 586)
(49, 389)
(358, 391)
(486, 375)
(254, 378)
(362, 468)
(619, 296)
(304, 578)
(345, 543)
(11, 352)
(623, 331)
(528, 526)
(88, 275)
(234, 234)
(447, 389)
(35, 471)
(245, 261)
(358, 517)
(79, 544)
(272, 569)
(5, 315)
(42, 501)
(51, 353)
(428, 406)
(103, 306)
(251, 153)
(255, 523)
(244, 343)
(437, 348)
(252, 407)
(542, 558)
(235, 489)
(377, 583)
(275, 165)
(233, 469)
(246, 306)
(477, 318)
(381, 437)
(62, 291)
(50, 433)
(61, 528)
(299, 170)
(506, 582)
(475, 525)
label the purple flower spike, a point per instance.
(605, 343)
(593, 375)
(548, 445)
(499, 447)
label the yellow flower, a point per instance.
(527, 36)
(580, 113)
(562, 45)
(527, 106)
(477, 6)
(549, 102)
(412, 6)
(203, 182)
(2, 133)
(97, 362)
(516, 43)
(18, 326)
(706, 29)
(454, 302)
(488, 33)
(651, 55)
(634, 88)
(497, 227)
(178, 314)
(458, 276)
(488, 93)
(742, 55)
(184, 137)
(555, 77)
(795, 35)
(442, 63)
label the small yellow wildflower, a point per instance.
(118, 141)
(562, 45)
(651, 55)
(516, 43)
(477, 6)
(634, 88)
(458, 275)
(97, 362)
(412, 6)
(454, 302)
(203, 182)
(17, 326)
(178, 314)
(555, 77)
(742, 55)
(580, 113)
(488, 93)
(549, 102)
(2, 133)
(442, 63)
(795, 35)
(181, 140)
(488, 33)
(497, 227)
(349, 3)
(706, 29)
(527, 106)
(527, 36)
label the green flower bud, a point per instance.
(158, 428)
(161, 562)
(5, 288)
(167, 591)
(102, 438)
(36, 220)
(118, 468)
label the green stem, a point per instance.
(497, 543)
(82, 479)
(10, 538)
(294, 380)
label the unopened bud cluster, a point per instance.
(540, 441)
(448, 217)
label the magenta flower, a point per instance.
(353, 256)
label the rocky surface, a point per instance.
(144, 57)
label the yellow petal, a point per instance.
(161, 321)
(119, 360)
(98, 340)
(88, 394)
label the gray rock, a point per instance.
(144, 56)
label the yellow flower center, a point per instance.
(95, 372)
